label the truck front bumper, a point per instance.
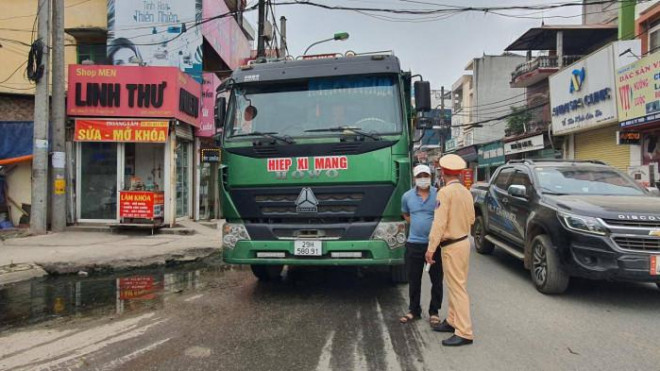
(600, 257)
(373, 252)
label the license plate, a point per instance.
(307, 248)
(655, 265)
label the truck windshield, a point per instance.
(581, 181)
(368, 103)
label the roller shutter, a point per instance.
(600, 144)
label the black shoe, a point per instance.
(443, 327)
(456, 341)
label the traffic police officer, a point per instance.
(453, 219)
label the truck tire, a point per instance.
(267, 273)
(398, 274)
(479, 233)
(547, 274)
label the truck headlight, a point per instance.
(393, 233)
(232, 233)
(585, 224)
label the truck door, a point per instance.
(498, 219)
(517, 206)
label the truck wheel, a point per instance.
(398, 274)
(547, 274)
(482, 245)
(267, 272)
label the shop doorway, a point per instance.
(144, 167)
(97, 181)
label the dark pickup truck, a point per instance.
(569, 218)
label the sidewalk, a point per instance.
(74, 251)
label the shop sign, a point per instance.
(207, 119)
(141, 204)
(582, 96)
(491, 154)
(468, 153)
(638, 86)
(534, 143)
(467, 177)
(155, 33)
(128, 91)
(211, 155)
(629, 137)
(133, 131)
(450, 145)
(136, 287)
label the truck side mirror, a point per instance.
(422, 96)
(517, 191)
(220, 111)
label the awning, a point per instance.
(578, 39)
(468, 153)
(15, 141)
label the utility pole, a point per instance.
(261, 52)
(57, 170)
(283, 36)
(39, 208)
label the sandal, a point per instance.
(409, 317)
(434, 320)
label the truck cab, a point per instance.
(569, 218)
(316, 155)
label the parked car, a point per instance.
(569, 219)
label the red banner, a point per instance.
(136, 287)
(130, 91)
(121, 131)
(141, 204)
(467, 177)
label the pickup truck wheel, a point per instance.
(482, 245)
(547, 274)
(398, 274)
(267, 272)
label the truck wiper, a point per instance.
(345, 128)
(271, 134)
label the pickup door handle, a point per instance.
(505, 200)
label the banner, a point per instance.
(141, 204)
(121, 131)
(638, 88)
(126, 91)
(207, 119)
(224, 34)
(156, 33)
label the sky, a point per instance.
(438, 49)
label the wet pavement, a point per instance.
(210, 316)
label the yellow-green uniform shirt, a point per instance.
(454, 214)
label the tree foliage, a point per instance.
(517, 121)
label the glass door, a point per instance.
(97, 181)
(183, 173)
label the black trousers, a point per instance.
(415, 266)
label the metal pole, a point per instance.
(283, 36)
(316, 43)
(260, 30)
(39, 208)
(57, 170)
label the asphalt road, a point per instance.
(343, 320)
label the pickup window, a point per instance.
(502, 180)
(520, 178)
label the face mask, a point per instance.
(423, 183)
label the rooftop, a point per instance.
(578, 39)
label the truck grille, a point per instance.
(633, 223)
(644, 244)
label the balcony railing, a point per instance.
(542, 62)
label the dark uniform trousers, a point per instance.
(415, 267)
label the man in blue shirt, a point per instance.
(418, 207)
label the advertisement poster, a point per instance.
(127, 131)
(156, 33)
(139, 204)
(224, 34)
(651, 148)
(638, 88)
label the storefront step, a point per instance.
(177, 230)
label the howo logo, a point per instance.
(577, 78)
(307, 202)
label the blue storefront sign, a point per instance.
(491, 154)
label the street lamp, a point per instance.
(339, 36)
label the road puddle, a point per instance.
(52, 297)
